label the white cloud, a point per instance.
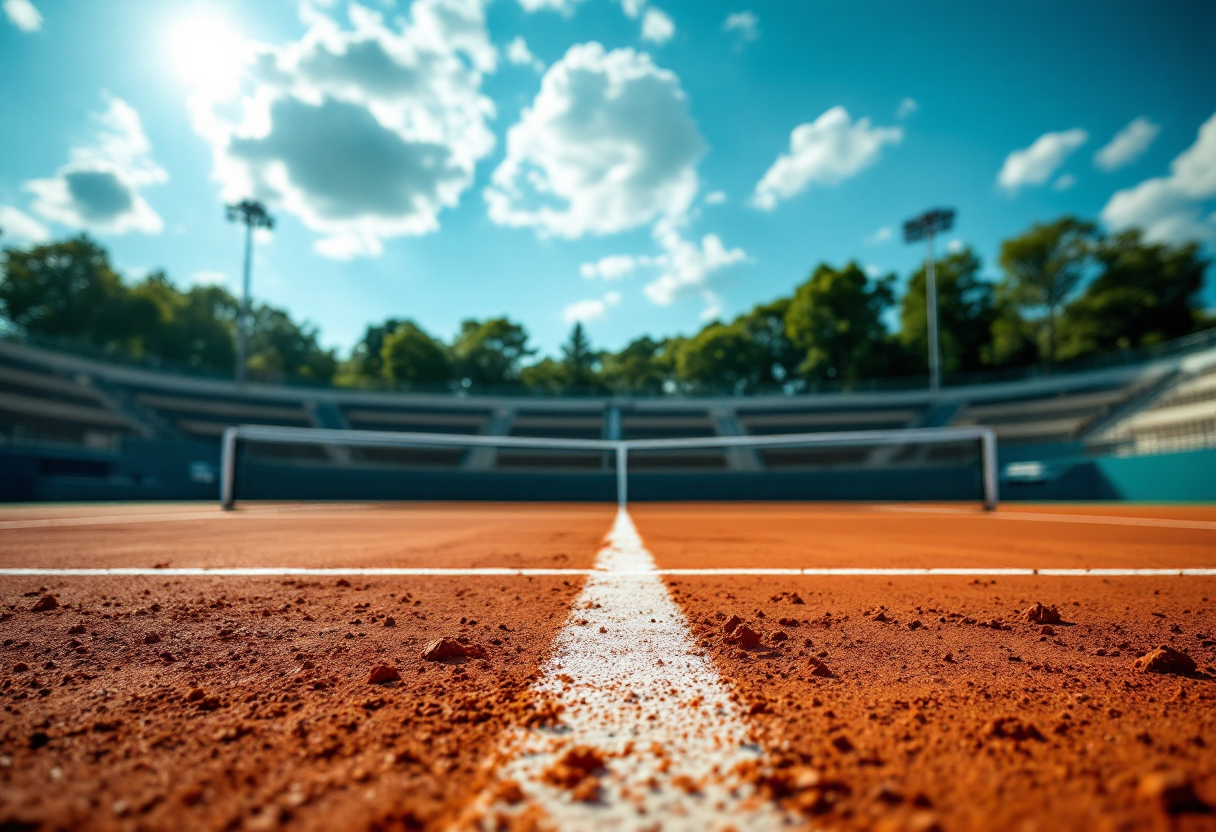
(20, 227)
(826, 151)
(632, 8)
(592, 309)
(906, 108)
(715, 198)
(614, 266)
(686, 267)
(23, 14)
(607, 145)
(1128, 145)
(873, 271)
(566, 7)
(519, 54)
(208, 278)
(657, 27)
(1063, 183)
(955, 246)
(1171, 208)
(365, 133)
(745, 24)
(99, 188)
(880, 236)
(1036, 164)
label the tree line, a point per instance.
(1065, 291)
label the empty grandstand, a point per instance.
(68, 425)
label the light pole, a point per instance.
(925, 227)
(254, 215)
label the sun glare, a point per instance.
(207, 51)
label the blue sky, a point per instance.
(636, 164)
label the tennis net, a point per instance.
(271, 462)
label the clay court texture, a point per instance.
(676, 666)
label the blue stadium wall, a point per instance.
(161, 470)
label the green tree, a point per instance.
(548, 375)
(194, 328)
(580, 360)
(720, 356)
(408, 354)
(966, 312)
(776, 355)
(1144, 293)
(366, 360)
(279, 348)
(490, 352)
(644, 365)
(1044, 266)
(835, 322)
(68, 290)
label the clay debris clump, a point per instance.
(803, 789)
(46, 603)
(818, 668)
(1165, 659)
(577, 771)
(448, 649)
(744, 636)
(1012, 728)
(1040, 614)
(1174, 792)
(383, 674)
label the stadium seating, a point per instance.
(1181, 415)
(50, 399)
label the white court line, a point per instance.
(1091, 519)
(492, 572)
(635, 688)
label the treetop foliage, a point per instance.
(1065, 291)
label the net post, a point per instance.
(622, 474)
(228, 468)
(988, 458)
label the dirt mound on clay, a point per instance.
(576, 771)
(46, 602)
(820, 669)
(382, 674)
(744, 636)
(1012, 728)
(1174, 792)
(446, 649)
(1165, 659)
(1040, 614)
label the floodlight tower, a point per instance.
(925, 227)
(254, 215)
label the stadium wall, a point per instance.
(163, 470)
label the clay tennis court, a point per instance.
(709, 666)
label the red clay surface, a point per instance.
(251, 708)
(1184, 512)
(937, 717)
(326, 536)
(839, 536)
(941, 708)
